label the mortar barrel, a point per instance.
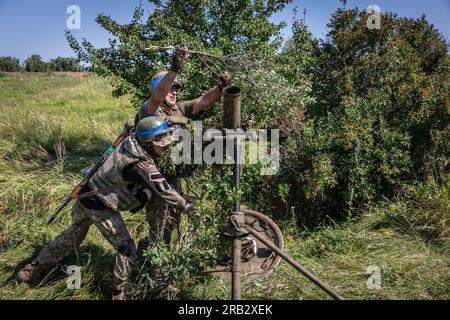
(231, 107)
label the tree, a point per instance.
(64, 64)
(35, 64)
(10, 64)
(380, 116)
(218, 27)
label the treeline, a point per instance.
(35, 64)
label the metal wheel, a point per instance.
(258, 261)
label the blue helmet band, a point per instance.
(158, 80)
(152, 131)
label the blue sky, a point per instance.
(37, 27)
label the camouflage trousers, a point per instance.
(162, 219)
(111, 226)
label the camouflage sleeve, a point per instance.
(141, 113)
(152, 177)
(186, 107)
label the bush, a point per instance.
(64, 64)
(424, 210)
(378, 120)
(10, 64)
(35, 64)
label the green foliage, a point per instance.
(298, 60)
(424, 211)
(217, 27)
(328, 239)
(379, 117)
(35, 64)
(10, 64)
(181, 264)
(64, 64)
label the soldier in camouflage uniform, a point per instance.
(126, 181)
(164, 88)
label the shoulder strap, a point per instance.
(102, 190)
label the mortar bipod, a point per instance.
(257, 261)
(260, 234)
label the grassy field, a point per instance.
(407, 239)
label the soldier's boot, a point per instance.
(118, 295)
(33, 274)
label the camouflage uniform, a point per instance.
(129, 163)
(161, 218)
(111, 226)
(176, 116)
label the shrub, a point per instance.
(10, 64)
(378, 120)
(424, 210)
(35, 64)
(64, 64)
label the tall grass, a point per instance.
(424, 211)
(35, 112)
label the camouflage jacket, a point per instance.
(129, 162)
(177, 116)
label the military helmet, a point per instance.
(153, 129)
(157, 77)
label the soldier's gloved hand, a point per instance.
(191, 210)
(179, 59)
(224, 80)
